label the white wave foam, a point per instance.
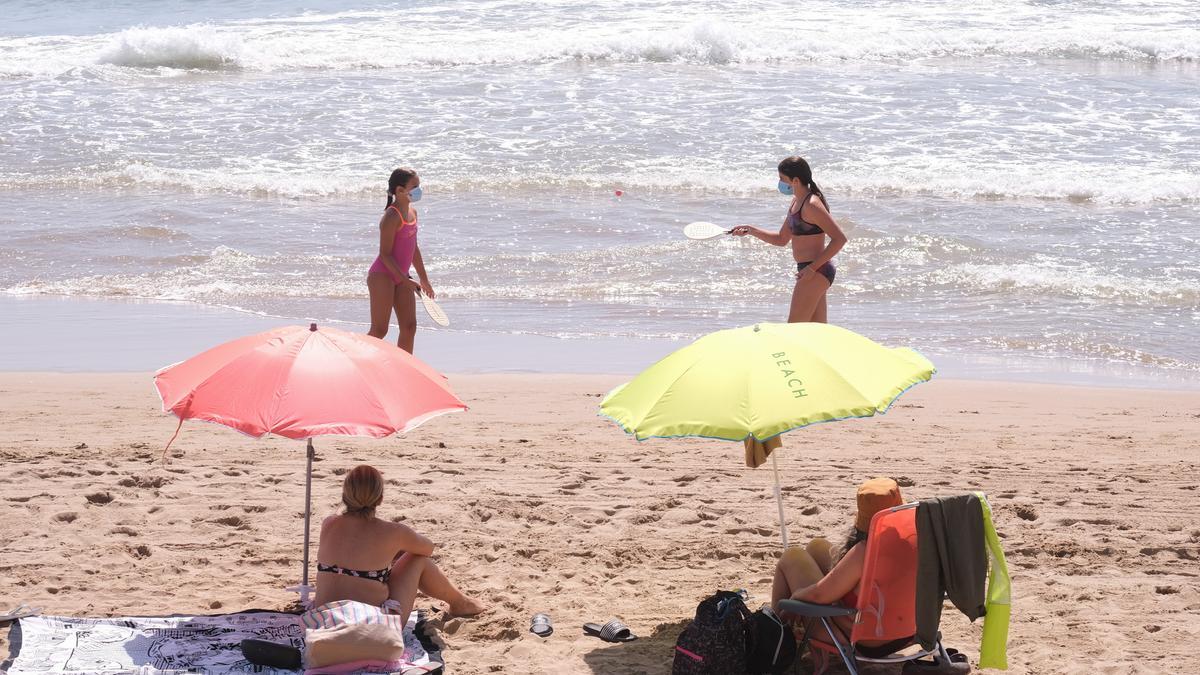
(1050, 180)
(1084, 347)
(1044, 180)
(197, 47)
(657, 32)
(1050, 278)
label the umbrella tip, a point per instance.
(312, 327)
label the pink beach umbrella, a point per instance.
(300, 382)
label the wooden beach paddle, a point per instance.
(703, 230)
(434, 311)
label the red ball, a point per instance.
(619, 193)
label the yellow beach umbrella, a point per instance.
(757, 382)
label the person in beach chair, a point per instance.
(818, 575)
(370, 560)
(898, 586)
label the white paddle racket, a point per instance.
(431, 308)
(703, 230)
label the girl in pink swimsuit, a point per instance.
(389, 282)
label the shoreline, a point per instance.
(43, 334)
(539, 505)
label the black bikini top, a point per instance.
(798, 224)
(381, 576)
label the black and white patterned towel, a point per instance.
(204, 645)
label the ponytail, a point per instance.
(812, 186)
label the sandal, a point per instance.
(613, 631)
(21, 611)
(958, 664)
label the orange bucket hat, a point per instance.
(874, 496)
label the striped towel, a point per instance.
(350, 612)
(416, 658)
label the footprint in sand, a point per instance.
(811, 510)
(66, 517)
(233, 521)
(124, 530)
(684, 480)
(760, 531)
(1025, 512)
(140, 551)
(100, 498)
(664, 506)
(144, 481)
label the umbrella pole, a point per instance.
(307, 516)
(779, 501)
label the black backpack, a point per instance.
(771, 645)
(714, 643)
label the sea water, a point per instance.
(1017, 180)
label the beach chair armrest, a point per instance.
(809, 609)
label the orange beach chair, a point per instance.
(885, 615)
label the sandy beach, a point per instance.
(539, 505)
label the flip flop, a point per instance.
(21, 611)
(958, 664)
(541, 626)
(271, 654)
(613, 631)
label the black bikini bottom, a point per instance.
(828, 270)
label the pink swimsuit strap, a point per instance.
(402, 223)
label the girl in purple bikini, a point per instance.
(807, 224)
(388, 281)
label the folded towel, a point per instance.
(757, 451)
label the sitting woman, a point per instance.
(370, 560)
(814, 574)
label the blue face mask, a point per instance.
(786, 188)
(415, 194)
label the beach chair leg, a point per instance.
(943, 657)
(845, 651)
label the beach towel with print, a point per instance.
(204, 645)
